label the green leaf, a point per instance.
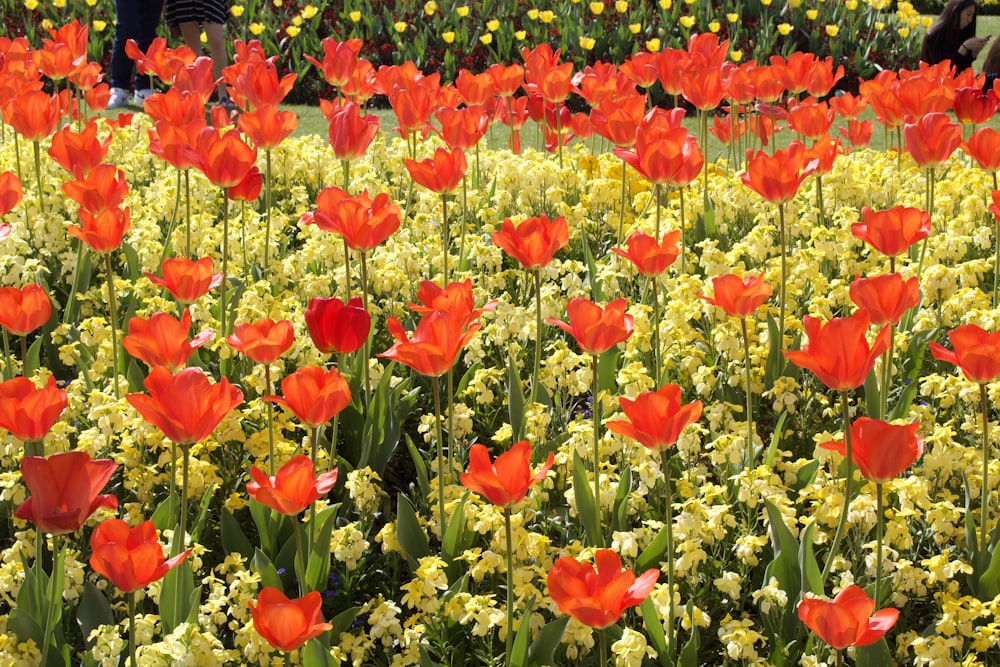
(805, 475)
(784, 567)
(318, 571)
(135, 376)
(423, 482)
(342, 622)
(454, 538)
(233, 539)
(910, 368)
(596, 293)
(515, 398)
(409, 534)
(619, 512)
(175, 596)
(315, 654)
(689, 654)
(775, 359)
(131, 261)
(33, 360)
(812, 581)
(607, 368)
(263, 566)
(585, 505)
(653, 553)
(874, 655)
(519, 649)
(711, 230)
(542, 651)
(25, 627)
(92, 612)
(873, 395)
(654, 630)
(263, 519)
(199, 521)
(772, 449)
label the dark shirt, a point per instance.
(939, 46)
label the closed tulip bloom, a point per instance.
(186, 407)
(777, 177)
(103, 187)
(29, 412)
(649, 257)
(24, 309)
(162, 340)
(475, 89)
(365, 223)
(656, 418)
(973, 106)
(294, 488)
(463, 128)
(663, 152)
(65, 489)
(103, 232)
(185, 279)
(266, 126)
(508, 79)
(130, 558)
(885, 298)
(506, 481)
(893, 231)
(880, 450)
(264, 341)
(339, 59)
(224, 160)
(288, 624)
(11, 192)
(337, 327)
(314, 394)
(596, 595)
(33, 114)
(847, 620)
(976, 352)
(249, 188)
(810, 118)
(351, 133)
(596, 329)
(984, 147)
(838, 351)
(79, 152)
(534, 242)
(932, 139)
(435, 344)
(739, 297)
(442, 173)
(455, 298)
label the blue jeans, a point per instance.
(138, 20)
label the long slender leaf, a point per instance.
(584, 495)
(409, 534)
(515, 399)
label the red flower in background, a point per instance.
(130, 558)
(885, 298)
(880, 450)
(596, 595)
(314, 394)
(24, 309)
(506, 481)
(249, 188)
(973, 106)
(596, 329)
(11, 192)
(65, 490)
(475, 89)
(984, 147)
(976, 352)
(29, 412)
(838, 351)
(162, 340)
(288, 624)
(893, 231)
(264, 341)
(337, 327)
(846, 620)
(463, 128)
(185, 279)
(739, 297)
(294, 488)
(649, 257)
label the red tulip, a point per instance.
(11, 192)
(442, 173)
(288, 624)
(858, 132)
(337, 327)
(847, 620)
(186, 280)
(618, 119)
(597, 596)
(838, 351)
(364, 223)
(932, 139)
(249, 188)
(224, 160)
(294, 488)
(664, 152)
(104, 231)
(339, 60)
(976, 352)
(848, 106)
(596, 329)
(506, 481)
(186, 407)
(257, 83)
(739, 297)
(893, 231)
(777, 177)
(264, 341)
(534, 241)
(22, 310)
(475, 89)
(266, 126)
(350, 133)
(79, 152)
(29, 412)
(885, 298)
(130, 558)
(880, 450)
(455, 299)
(103, 187)
(435, 343)
(984, 147)
(507, 78)
(973, 106)
(175, 144)
(33, 114)
(65, 490)
(314, 394)
(649, 257)
(162, 340)
(656, 418)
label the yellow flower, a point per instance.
(596, 8)
(31, 5)
(430, 7)
(46, 24)
(714, 26)
(92, 3)
(687, 21)
(851, 5)
(448, 37)
(462, 11)
(733, 17)
(520, 35)
(237, 10)
(736, 55)
(296, 21)
(546, 16)
(292, 30)
(278, 3)
(766, 3)
(879, 26)
(811, 14)
(59, 3)
(794, 4)
(832, 30)
(533, 14)
(903, 31)
(653, 45)
(99, 25)
(354, 16)
(493, 25)
(621, 6)
(587, 43)
(784, 28)
(204, 37)
(399, 26)
(308, 12)
(634, 28)
(486, 39)
(256, 28)
(666, 4)
(926, 22)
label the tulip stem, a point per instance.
(930, 211)
(444, 238)
(746, 373)
(270, 420)
(346, 169)
(225, 263)
(879, 530)
(559, 137)
(452, 439)
(603, 641)
(680, 194)
(38, 176)
(366, 348)
(848, 483)
(187, 212)
(185, 459)
(596, 411)
(267, 207)
(510, 584)
(537, 275)
(131, 629)
(657, 359)
(54, 595)
(887, 371)
(435, 385)
(8, 369)
(668, 492)
(784, 277)
(819, 201)
(113, 316)
(621, 213)
(984, 552)
(465, 213)
(303, 556)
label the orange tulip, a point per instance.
(545, 75)
(932, 139)
(339, 60)
(29, 412)
(65, 490)
(976, 352)
(702, 86)
(364, 223)
(973, 106)
(739, 297)
(822, 77)
(175, 107)
(103, 187)
(158, 60)
(57, 61)
(130, 558)
(848, 106)
(435, 344)
(923, 94)
(175, 144)
(264, 341)
(838, 351)
(196, 78)
(11, 192)
(893, 231)
(104, 231)
(880, 450)
(294, 488)
(162, 340)
(777, 177)
(462, 128)
(413, 98)
(33, 114)
(186, 407)
(455, 299)
(249, 188)
(664, 152)
(442, 173)
(475, 89)
(596, 329)
(361, 86)
(186, 280)
(825, 151)
(649, 257)
(533, 242)
(810, 118)
(507, 78)
(224, 160)
(596, 595)
(641, 68)
(350, 133)
(793, 71)
(22, 310)
(656, 418)
(984, 147)
(267, 127)
(506, 481)
(259, 84)
(885, 298)
(846, 620)
(79, 152)
(604, 81)
(858, 132)
(617, 120)
(314, 394)
(288, 624)
(337, 327)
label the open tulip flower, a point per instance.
(847, 620)
(162, 340)
(24, 309)
(885, 298)
(29, 412)
(739, 297)
(442, 173)
(777, 177)
(186, 280)
(65, 489)
(435, 344)
(533, 242)
(454, 298)
(838, 351)
(294, 488)
(288, 624)
(880, 450)
(314, 394)
(337, 327)
(104, 231)
(596, 595)
(656, 418)
(650, 258)
(893, 231)
(506, 481)
(130, 558)
(102, 188)
(365, 223)
(264, 341)
(596, 329)
(976, 352)
(932, 139)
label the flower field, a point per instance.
(425, 396)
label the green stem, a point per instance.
(225, 263)
(303, 556)
(368, 338)
(131, 629)
(54, 596)
(8, 369)
(848, 484)
(537, 274)
(333, 440)
(510, 585)
(270, 420)
(746, 372)
(680, 192)
(185, 460)
(887, 371)
(444, 238)
(819, 201)
(465, 214)
(930, 210)
(657, 359)
(984, 552)
(74, 282)
(38, 176)
(621, 213)
(596, 411)
(669, 524)
(113, 314)
(603, 640)
(267, 207)
(784, 277)
(452, 439)
(435, 384)
(879, 530)
(187, 212)
(559, 137)
(347, 270)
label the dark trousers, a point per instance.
(138, 20)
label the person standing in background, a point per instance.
(953, 36)
(138, 20)
(190, 17)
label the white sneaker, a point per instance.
(141, 96)
(118, 99)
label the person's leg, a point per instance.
(191, 32)
(151, 12)
(217, 47)
(127, 27)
